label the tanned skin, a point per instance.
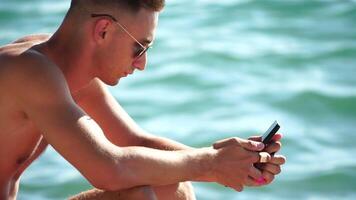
(53, 90)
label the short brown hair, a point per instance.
(131, 5)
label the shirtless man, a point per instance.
(53, 91)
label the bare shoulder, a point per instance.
(22, 44)
(30, 74)
(32, 38)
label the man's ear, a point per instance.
(101, 29)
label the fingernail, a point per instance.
(260, 145)
(261, 181)
(264, 181)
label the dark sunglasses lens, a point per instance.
(138, 51)
(141, 52)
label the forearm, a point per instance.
(157, 142)
(145, 166)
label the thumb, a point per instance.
(252, 145)
(255, 138)
(224, 142)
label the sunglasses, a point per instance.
(140, 49)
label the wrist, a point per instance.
(204, 160)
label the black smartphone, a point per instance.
(272, 130)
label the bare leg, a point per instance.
(179, 191)
(138, 193)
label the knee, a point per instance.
(137, 193)
(186, 190)
(178, 191)
(140, 193)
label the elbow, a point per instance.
(103, 184)
(112, 178)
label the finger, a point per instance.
(233, 141)
(238, 187)
(251, 145)
(258, 165)
(251, 182)
(278, 160)
(277, 137)
(269, 177)
(254, 157)
(256, 138)
(254, 183)
(255, 173)
(272, 168)
(222, 143)
(273, 147)
(264, 157)
(259, 157)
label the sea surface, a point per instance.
(230, 68)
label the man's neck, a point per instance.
(67, 54)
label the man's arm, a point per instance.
(41, 91)
(97, 101)
(118, 126)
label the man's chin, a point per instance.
(112, 82)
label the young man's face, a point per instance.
(124, 50)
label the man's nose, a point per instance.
(140, 63)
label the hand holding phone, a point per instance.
(266, 139)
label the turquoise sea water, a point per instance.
(229, 68)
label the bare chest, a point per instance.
(20, 141)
